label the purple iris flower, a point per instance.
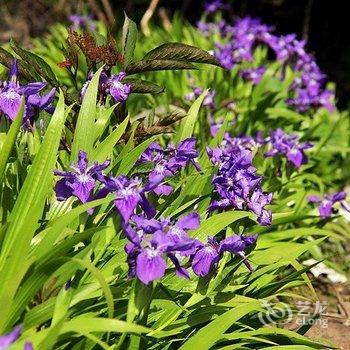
(102, 83)
(182, 154)
(152, 241)
(129, 193)
(253, 74)
(327, 100)
(224, 54)
(208, 255)
(156, 155)
(325, 204)
(177, 231)
(80, 181)
(117, 89)
(150, 262)
(288, 145)
(168, 162)
(11, 93)
(8, 339)
(82, 22)
(257, 202)
(236, 184)
(110, 86)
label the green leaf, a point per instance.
(10, 139)
(56, 227)
(143, 86)
(130, 159)
(28, 210)
(129, 40)
(46, 266)
(183, 52)
(187, 124)
(99, 38)
(40, 66)
(105, 148)
(280, 334)
(63, 300)
(85, 325)
(103, 120)
(284, 113)
(6, 59)
(51, 337)
(104, 286)
(218, 222)
(207, 336)
(128, 146)
(153, 65)
(84, 134)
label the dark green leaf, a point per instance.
(40, 66)
(129, 40)
(6, 59)
(152, 65)
(179, 51)
(144, 86)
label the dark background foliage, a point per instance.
(324, 23)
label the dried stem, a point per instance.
(147, 16)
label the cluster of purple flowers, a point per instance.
(237, 44)
(152, 241)
(112, 86)
(288, 145)
(326, 204)
(89, 182)
(12, 92)
(237, 183)
(8, 339)
(240, 39)
(167, 162)
(307, 86)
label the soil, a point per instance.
(333, 327)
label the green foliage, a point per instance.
(38, 64)
(129, 40)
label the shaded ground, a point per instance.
(336, 332)
(333, 327)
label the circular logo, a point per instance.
(273, 313)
